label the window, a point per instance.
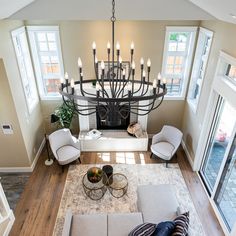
(199, 66)
(179, 43)
(46, 50)
(25, 67)
(231, 73)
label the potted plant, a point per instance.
(65, 114)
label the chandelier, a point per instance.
(116, 92)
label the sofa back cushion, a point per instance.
(89, 225)
(120, 224)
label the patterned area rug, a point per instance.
(75, 198)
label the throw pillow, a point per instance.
(164, 228)
(181, 225)
(145, 229)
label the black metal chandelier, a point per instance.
(116, 91)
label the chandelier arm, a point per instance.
(119, 80)
(140, 83)
(99, 111)
(85, 114)
(153, 108)
(124, 85)
(117, 73)
(147, 87)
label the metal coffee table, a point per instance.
(118, 186)
(95, 191)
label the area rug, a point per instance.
(74, 197)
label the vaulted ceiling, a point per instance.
(126, 9)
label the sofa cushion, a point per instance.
(89, 225)
(157, 202)
(181, 225)
(120, 224)
(145, 229)
(164, 228)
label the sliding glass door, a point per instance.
(225, 196)
(218, 141)
(219, 166)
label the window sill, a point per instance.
(174, 98)
(48, 98)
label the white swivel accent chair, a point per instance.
(64, 146)
(166, 143)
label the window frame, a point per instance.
(32, 30)
(200, 47)
(190, 49)
(31, 81)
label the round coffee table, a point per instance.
(95, 191)
(119, 185)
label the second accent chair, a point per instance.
(64, 146)
(166, 143)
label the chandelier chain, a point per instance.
(113, 18)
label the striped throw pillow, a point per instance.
(181, 225)
(145, 229)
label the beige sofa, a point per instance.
(155, 203)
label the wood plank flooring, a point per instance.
(37, 209)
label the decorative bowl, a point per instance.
(94, 174)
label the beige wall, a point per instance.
(31, 125)
(148, 36)
(12, 147)
(224, 39)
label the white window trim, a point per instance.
(31, 30)
(193, 105)
(32, 105)
(193, 30)
(220, 86)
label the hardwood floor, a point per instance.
(37, 209)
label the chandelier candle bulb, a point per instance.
(97, 86)
(144, 75)
(141, 63)
(159, 76)
(62, 83)
(154, 84)
(164, 83)
(120, 60)
(117, 48)
(149, 65)
(103, 67)
(94, 48)
(66, 76)
(80, 65)
(108, 47)
(132, 48)
(123, 73)
(72, 85)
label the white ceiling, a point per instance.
(221, 9)
(126, 9)
(101, 10)
(9, 7)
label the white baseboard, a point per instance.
(25, 169)
(190, 160)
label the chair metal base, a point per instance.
(160, 158)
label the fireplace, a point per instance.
(112, 121)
